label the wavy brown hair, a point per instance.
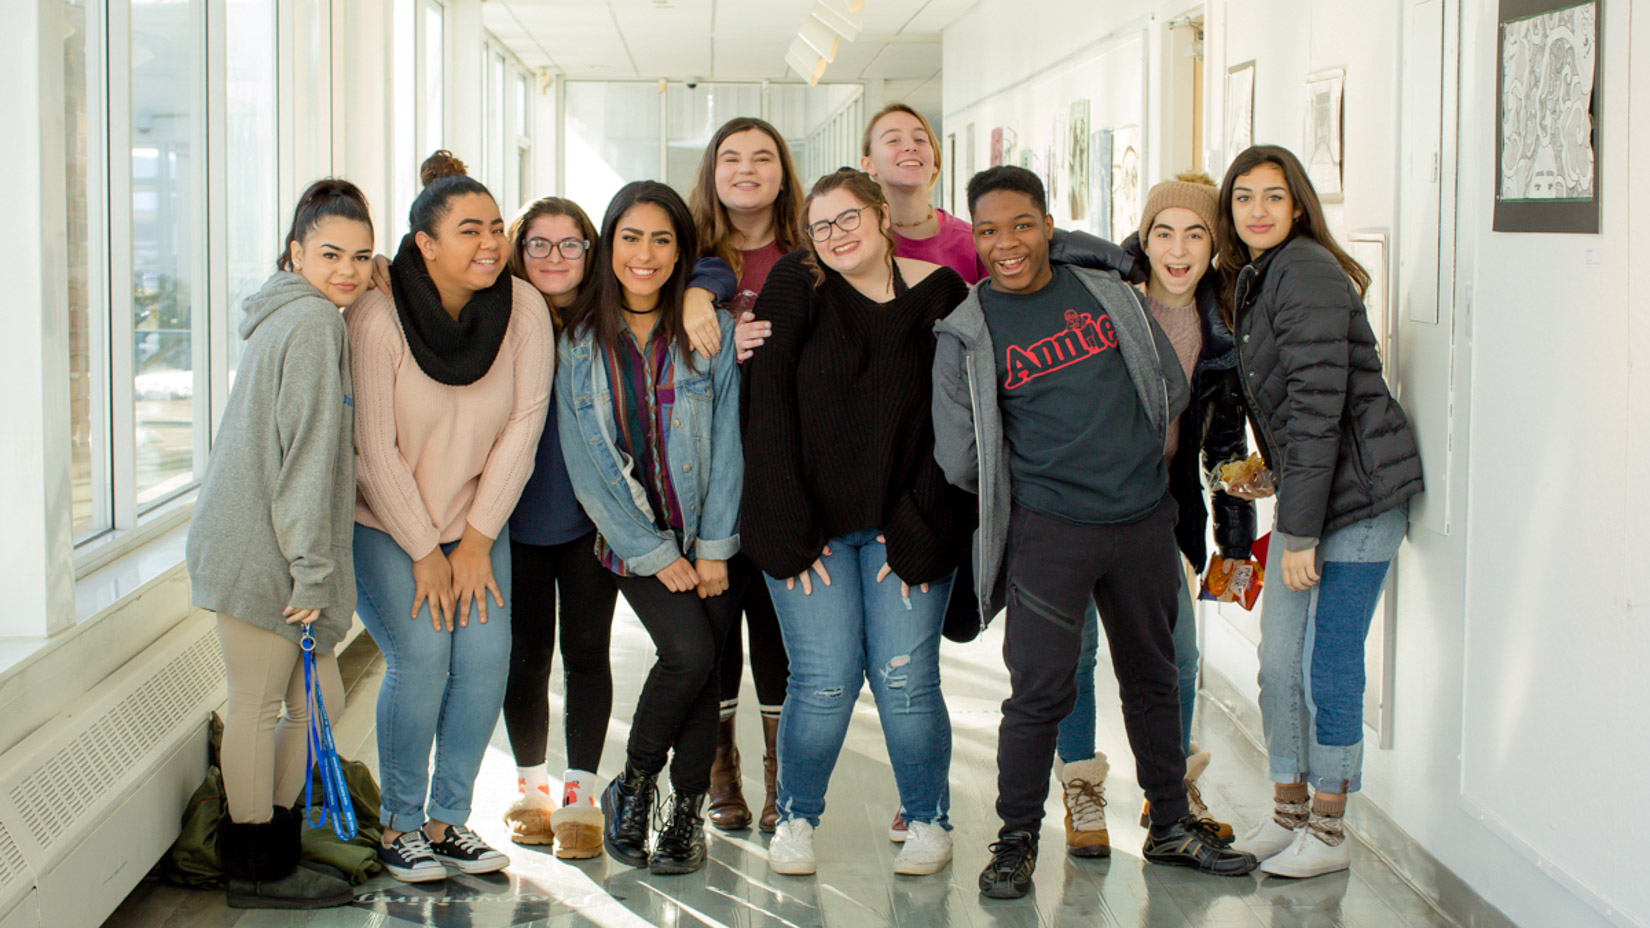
(866, 191)
(548, 206)
(601, 297)
(933, 141)
(710, 217)
(1232, 253)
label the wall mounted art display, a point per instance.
(1055, 181)
(996, 146)
(1240, 108)
(968, 152)
(1323, 132)
(1547, 117)
(1125, 182)
(1077, 161)
(1368, 248)
(1100, 182)
(951, 171)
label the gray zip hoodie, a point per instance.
(968, 425)
(275, 517)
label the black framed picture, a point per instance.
(1547, 138)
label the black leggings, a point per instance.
(769, 666)
(588, 594)
(678, 705)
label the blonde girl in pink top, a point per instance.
(452, 382)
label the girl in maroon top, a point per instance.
(746, 205)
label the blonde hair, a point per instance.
(891, 108)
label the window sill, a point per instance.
(111, 548)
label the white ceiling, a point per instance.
(714, 39)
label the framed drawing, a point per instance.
(1369, 248)
(996, 146)
(1100, 182)
(1240, 108)
(1547, 117)
(1125, 182)
(951, 171)
(1077, 161)
(1323, 132)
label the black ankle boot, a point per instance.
(681, 844)
(626, 805)
(262, 869)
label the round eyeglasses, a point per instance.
(570, 248)
(847, 221)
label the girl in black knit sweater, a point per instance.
(851, 520)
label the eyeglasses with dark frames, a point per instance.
(571, 248)
(848, 220)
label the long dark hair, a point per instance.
(328, 198)
(547, 206)
(1233, 254)
(600, 298)
(711, 217)
(866, 191)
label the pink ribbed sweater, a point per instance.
(429, 456)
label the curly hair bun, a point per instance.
(441, 164)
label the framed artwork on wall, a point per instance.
(1322, 143)
(1547, 116)
(1077, 161)
(1125, 181)
(1240, 108)
(1100, 182)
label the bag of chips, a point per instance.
(1229, 580)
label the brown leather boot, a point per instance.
(728, 810)
(770, 774)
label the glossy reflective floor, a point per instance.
(855, 885)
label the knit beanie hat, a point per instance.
(1193, 190)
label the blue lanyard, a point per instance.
(320, 752)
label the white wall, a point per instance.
(1520, 625)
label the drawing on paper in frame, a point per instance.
(1547, 117)
(1077, 161)
(996, 146)
(1125, 182)
(1100, 182)
(1324, 132)
(1240, 108)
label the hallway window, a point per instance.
(166, 284)
(253, 235)
(88, 329)
(432, 58)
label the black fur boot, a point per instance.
(261, 871)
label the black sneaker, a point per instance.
(462, 850)
(1013, 858)
(408, 858)
(1191, 842)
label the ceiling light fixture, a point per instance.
(805, 61)
(844, 17)
(822, 40)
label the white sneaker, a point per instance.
(927, 850)
(1267, 838)
(791, 851)
(1308, 856)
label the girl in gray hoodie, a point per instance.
(270, 544)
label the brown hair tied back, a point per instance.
(328, 198)
(441, 164)
(865, 190)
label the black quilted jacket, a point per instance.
(1339, 445)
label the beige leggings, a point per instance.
(263, 747)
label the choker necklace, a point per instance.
(912, 225)
(641, 312)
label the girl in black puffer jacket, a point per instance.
(1345, 465)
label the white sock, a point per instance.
(578, 786)
(533, 778)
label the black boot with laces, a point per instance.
(680, 847)
(1013, 858)
(626, 805)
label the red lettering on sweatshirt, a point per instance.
(1081, 339)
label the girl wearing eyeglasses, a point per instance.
(552, 550)
(858, 532)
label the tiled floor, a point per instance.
(855, 885)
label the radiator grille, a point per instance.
(12, 867)
(55, 794)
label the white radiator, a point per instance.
(92, 799)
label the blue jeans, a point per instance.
(1312, 654)
(1076, 740)
(836, 637)
(440, 688)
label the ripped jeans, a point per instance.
(836, 637)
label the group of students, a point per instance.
(897, 424)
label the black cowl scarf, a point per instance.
(456, 352)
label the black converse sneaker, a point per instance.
(408, 858)
(462, 850)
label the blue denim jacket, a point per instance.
(707, 461)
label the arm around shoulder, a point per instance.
(953, 411)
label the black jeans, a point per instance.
(1132, 571)
(769, 667)
(588, 594)
(678, 705)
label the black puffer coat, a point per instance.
(1337, 442)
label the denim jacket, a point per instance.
(707, 464)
